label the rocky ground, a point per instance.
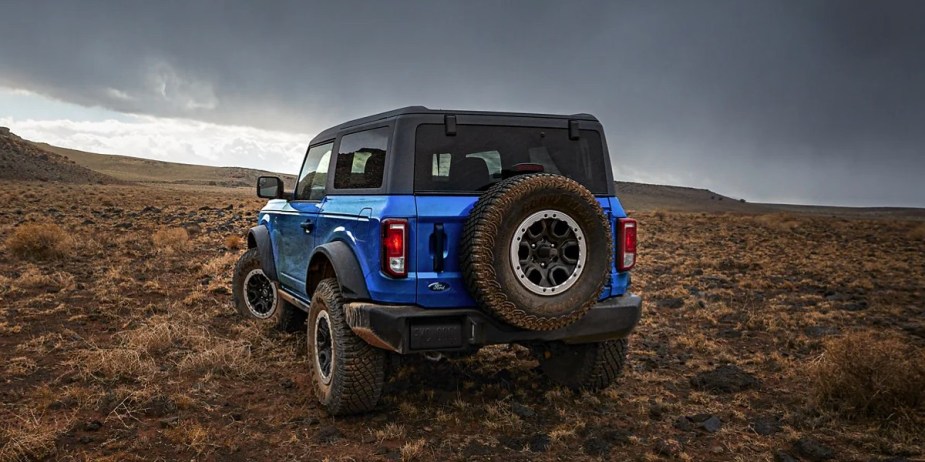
(121, 344)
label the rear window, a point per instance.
(479, 155)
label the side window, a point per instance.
(361, 159)
(314, 173)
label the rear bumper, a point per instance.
(411, 329)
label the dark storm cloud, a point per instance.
(800, 101)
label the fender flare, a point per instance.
(259, 237)
(346, 268)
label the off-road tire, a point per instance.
(286, 317)
(588, 366)
(357, 370)
(491, 228)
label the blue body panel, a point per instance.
(356, 220)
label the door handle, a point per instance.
(439, 243)
(308, 226)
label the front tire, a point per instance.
(347, 373)
(256, 297)
(587, 366)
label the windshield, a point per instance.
(481, 155)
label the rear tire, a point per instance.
(588, 366)
(347, 373)
(256, 297)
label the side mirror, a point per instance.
(269, 187)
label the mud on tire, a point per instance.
(347, 373)
(536, 251)
(255, 297)
(588, 366)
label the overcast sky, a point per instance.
(785, 101)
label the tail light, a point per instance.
(395, 247)
(626, 244)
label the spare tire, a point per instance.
(536, 251)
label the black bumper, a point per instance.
(410, 329)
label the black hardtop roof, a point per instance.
(416, 110)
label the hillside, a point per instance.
(642, 196)
(24, 161)
(139, 170)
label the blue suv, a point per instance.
(436, 231)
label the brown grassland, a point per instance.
(764, 336)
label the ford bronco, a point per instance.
(435, 231)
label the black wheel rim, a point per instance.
(260, 294)
(324, 354)
(548, 252)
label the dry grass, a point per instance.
(193, 435)
(30, 437)
(918, 233)
(40, 241)
(866, 375)
(224, 357)
(34, 279)
(171, 240)
(784, 222)
(391, 431)
(114, 363)
(413, 450)
(233, 242)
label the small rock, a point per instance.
(673, 303)
(539, 442)
(525, 412)
(711, 425)
(595, 446)
(813, 450)
(159, 406)
(169, 422)
(301, 420)
(726, 379)
(327, 434)
(729, 333)
(192, 229)
(765, 426)
(833, 296)
(780, 456)
(683, 424)
(476, 449)
(93, 425)
(820, 331)
(855, 306)
(669, 447)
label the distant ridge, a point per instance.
(140, 170)
(643, 196)
(24, 161)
